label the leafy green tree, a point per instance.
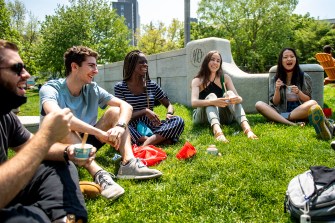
(31, 38)
(159, 38)
(18, 14)
(175, 35)
(92, 23)
(152, 40)
(256, 28)
(27, 33)
(310, 36)
(5, 30)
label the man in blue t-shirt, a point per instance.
(83, 97)
(36, 185)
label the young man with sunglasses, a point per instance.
(36, 185)
(79, 93)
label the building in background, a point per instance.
(129, 10)
(331, 21)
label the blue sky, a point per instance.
(166, 10)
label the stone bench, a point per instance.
(30, 122)
(174, 71)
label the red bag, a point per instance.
(150, 155)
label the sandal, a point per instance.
(220, 137)
(250, 134)
(301, 124)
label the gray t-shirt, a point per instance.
(84, 106)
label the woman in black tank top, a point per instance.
(216, 99)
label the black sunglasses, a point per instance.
(142, 62)
(17, 68)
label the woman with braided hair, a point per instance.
(139, 91)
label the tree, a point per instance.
(175, 35)
(310, 36)
(92, 23)
(5, 30)
(24, 33)
(159, 38)
(31, 37)
(152, 40)
(17, 12)
(256, 28)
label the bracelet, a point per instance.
(169, 113)
(122, 125)
(246, 131)
(65, 155)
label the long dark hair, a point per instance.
(298, 75)
(129, 64)
(204, 72)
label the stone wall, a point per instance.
(174, 71)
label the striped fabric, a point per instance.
(169, 129)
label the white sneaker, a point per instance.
(109, 189)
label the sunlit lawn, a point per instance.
(246, 184)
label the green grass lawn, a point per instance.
(246, 184)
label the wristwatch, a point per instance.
(122, 124)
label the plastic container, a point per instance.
(212, 150)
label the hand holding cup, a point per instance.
(81, 155)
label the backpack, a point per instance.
(310, 196)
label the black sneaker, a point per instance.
(332, 144)
(330, 126)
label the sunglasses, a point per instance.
(142, 62)
(17, 68)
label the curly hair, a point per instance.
(77, 54)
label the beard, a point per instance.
(10, 100)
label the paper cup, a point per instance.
(187, 151)
(82, 153)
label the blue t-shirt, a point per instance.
(83, 107)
